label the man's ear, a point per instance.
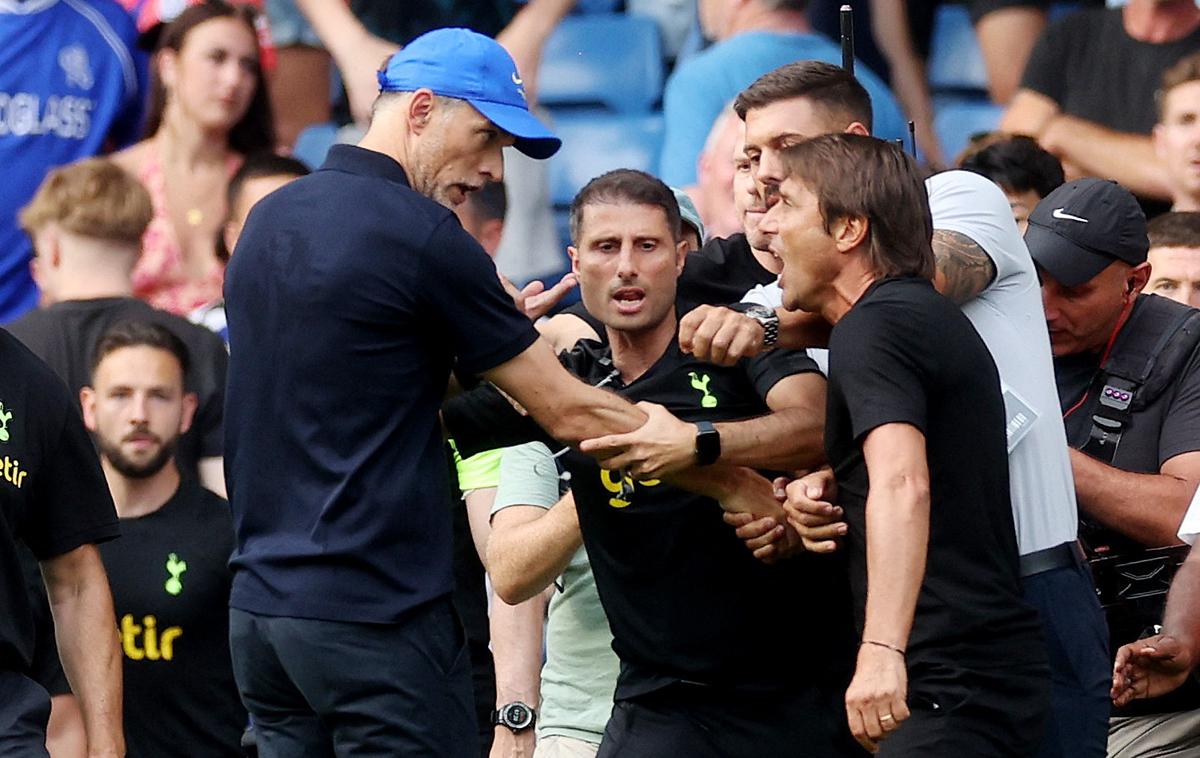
(573, 254)
(681, 254)
(858, 128)
(1138, 276)
(190, 402)
(421, 106)
(87, 401)
(1157, 138)
(848, 232)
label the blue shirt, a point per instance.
(349, 298)
(70, 87)
(701, 87)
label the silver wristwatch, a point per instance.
(769, 321)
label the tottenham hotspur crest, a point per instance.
(74, 62)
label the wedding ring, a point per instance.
(886, 717)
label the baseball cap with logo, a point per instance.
(462, 64)
(1080, 228)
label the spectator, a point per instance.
(70, 87)
(1085, 94)
(53, 499)
(302, 64)
(1174, 257)
(715, 169)
(208, 109)
(482, 215)
(1177, 134)
(1131, 418)
(169, 572)
(753, 37)
(1019, 166)
(259, 175)
(86, 222)
(685, 684)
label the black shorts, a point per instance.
(701, 722)
(24, 711)
(980, 8)
(958, 712)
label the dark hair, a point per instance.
(256, 166)
(1015, 162)
(828, 87)
(138, 334)
(489, 203)
(626, 185)
(1178, 229)
(854, 175)
(256, 130)
(1186, 69)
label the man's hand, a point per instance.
(753, 495)
(875, 699)
(1150, 667)
(535, 300)
(720, 335)
(766, 538)
(811, 512)
(507, 744)
(662, 446)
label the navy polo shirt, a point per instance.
(349, 297)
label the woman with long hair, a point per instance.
(208, 110)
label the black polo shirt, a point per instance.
(349, 298)
(685, 599)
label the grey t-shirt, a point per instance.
(580, 673)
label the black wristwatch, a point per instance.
(769, 321)
(708, 443)
(516, 716)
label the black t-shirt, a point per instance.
(720, 273)
(1089, 65)
(170, 580)
(65, 334)
(53, 496)
(349, 298)
(904, 354)
(685, 599)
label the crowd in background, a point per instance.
(137, 137)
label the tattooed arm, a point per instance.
(963, 268)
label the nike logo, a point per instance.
(516, 79)
(1061, 213)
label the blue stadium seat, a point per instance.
(957, 120)
(614, 60)
(314, 142)
(955, 61)
(595, 142)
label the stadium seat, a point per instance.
(957, 120)
(955, 61)
(314, 142)
(595, 142)
(613, 60)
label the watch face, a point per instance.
(517, 715)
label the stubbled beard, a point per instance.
(132, 469)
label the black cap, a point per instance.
(1080, 228)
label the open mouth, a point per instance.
(629, 300)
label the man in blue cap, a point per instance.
(351, 294)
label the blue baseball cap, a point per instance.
(465, 65)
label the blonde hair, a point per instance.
(92, 198)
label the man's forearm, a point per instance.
(786, 440)
(800, 329)
(516, 632)
(524, 558)
(1098, 151)
(1147, 508)
(1182, 616)
(897, 540)
(86, 628)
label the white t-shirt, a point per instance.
(1008, 316)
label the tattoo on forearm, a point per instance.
(965, 268)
